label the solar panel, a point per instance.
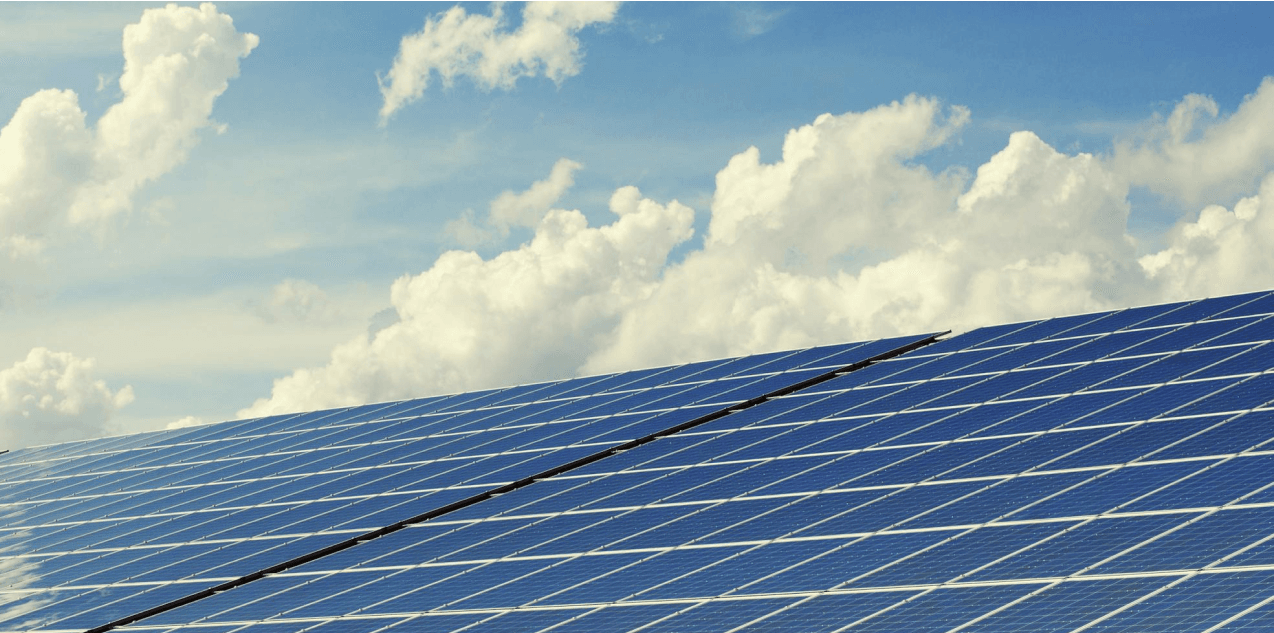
(1109, 471)
(100, 530)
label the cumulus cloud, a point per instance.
(457, 43)
(57, 171)
(846, 236)
(515, 208)
(55, 397)
(295, 301)
(1223, 251)
(1197, 156)
(525, 314)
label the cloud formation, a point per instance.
(56, 171)
(457, 43)
(846, 236)
(525, 314)
(512, 209)
(1196, 156)
(55, 397)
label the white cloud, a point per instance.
(296, 301)
(1222, 252)
(511, 209)
(480, 47)
(55, 397)
(526, 314)
(56, 171)
(1197, 156)
(846, 236)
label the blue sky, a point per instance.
(261, 249)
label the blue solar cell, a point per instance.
(426, 588)
(1225, 435)
(861, 433)
(1196, 334)
(954, 558)
(1134, 442)
(1060, 326)
(1068, 605)
(823, 356)
(1132, 317)
(1260, 331)
(726, 574)
(1243, 361)
(965, 422)
(1038, 353)
(1080, 546)
(1168, 399)
(743, 366)
(1096, 347)
(943, 365)
(754, 479)
(352, 625)
(1007, 385)
(543, 584)
(934, 462)
(719, 615)
(1208, 308)
(1195, 605)
(1198, 544)
(1033, 452)
(525, 536)
(827, 613)
(887, 511)
(798, 513)
(611, 529)
(940, 610)
(523, 621)
(998, 499)
(653, 569)
(618, 617)
(1223, 483)
(653, 487)
(869, 350)
(983, 335)
(1247, 394)
(1258, 303)
(1076, 409)
(698, 523)
(842, 470)
(914, 395)
(1172, 367)
(851, 560)
(1110, 490)
(108, 604)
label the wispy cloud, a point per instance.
(460, 44)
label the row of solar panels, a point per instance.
(1108, 472)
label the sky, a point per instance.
(210, 212)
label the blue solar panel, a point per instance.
(1104, 472)
(223, 501)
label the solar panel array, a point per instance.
(98, 530)
(1104, 472)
